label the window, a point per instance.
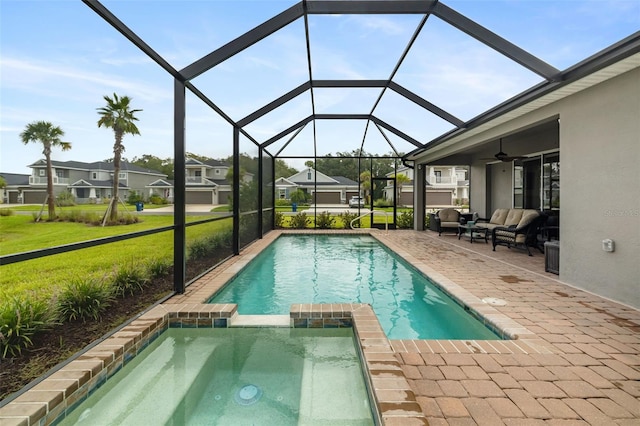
(438, 174)
(309, 175)
(42, 172)
(217, 171)
(536, 182)
(551, 182)
(94, 175)
(198, 173)
(60, 173)
(122, 175)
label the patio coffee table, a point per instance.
(473, 232)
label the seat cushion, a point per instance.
(498, 217)
(449, 215)
(528, 216)
(513, 217)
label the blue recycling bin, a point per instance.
(294, 207)
(139, 206)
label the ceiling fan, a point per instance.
(502, 156)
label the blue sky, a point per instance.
(58, 59)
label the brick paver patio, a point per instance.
(586, 370)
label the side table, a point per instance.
(473, 232)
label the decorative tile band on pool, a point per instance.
(49, 401)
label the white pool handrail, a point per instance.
(386, 218)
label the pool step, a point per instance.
(260, 321)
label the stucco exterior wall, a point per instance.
(600, 188)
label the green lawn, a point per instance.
(43, 276)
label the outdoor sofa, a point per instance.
(514, 227)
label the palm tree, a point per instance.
(400, 181)
(118, 116)
(49, 136)
(365, 184)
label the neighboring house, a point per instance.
(323, 189)
(445, 186)
(16, 184)
(88, 182)
(206, 182)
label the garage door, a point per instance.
(223, 197)
(34, 197)
(199, 197)
(327, 197)
(439, 198)
(13, 197)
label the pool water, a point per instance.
(349, 269)
(235, 376)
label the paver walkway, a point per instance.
(575, 361)
(586, 365)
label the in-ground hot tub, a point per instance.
(258, 376)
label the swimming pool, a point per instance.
(228, 376)
(349, 269)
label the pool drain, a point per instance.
(494, 301)
(248, 394)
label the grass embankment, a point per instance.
(43, 277)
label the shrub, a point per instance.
(156, 199)
(405, 220)
(199, 249)
(300, 221)
(129, 278)
(134, 197)
(159, 267)
(382, 202)
(346, 218)
(83, 299)
(299, 196)
(6, 212)
(324, 220)
(206, 246)
(278, 219)
(282, 202)
(65, 199)
(20, 319)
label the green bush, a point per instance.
(206, 246)
(20, 319)
(382, 202)
(129, 278)
(134, 197)
(156, 199)
(159, 267)
(278, 219)
(346, 218)
(6, 212)
(299, 196)
(282, 202)
(300, 221)
(324, 220)
(405, 220)
(65, 199)
(84, 298)
(199, 249)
